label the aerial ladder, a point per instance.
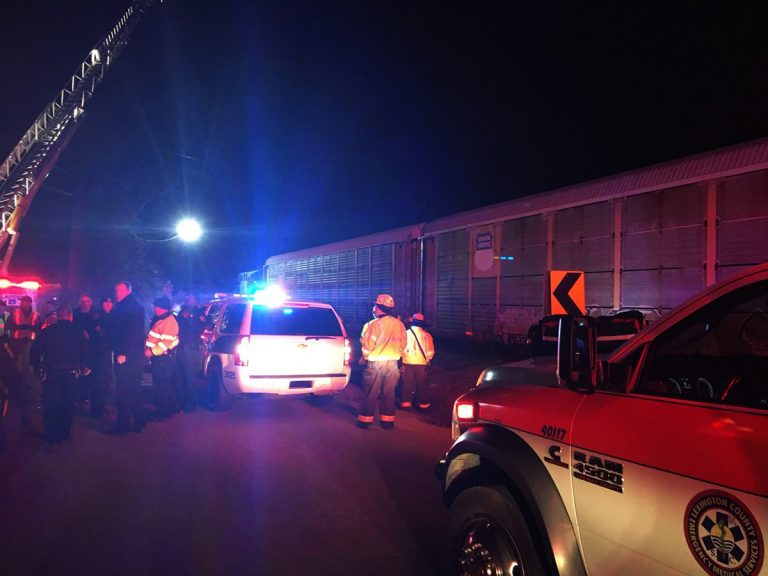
(25, 169)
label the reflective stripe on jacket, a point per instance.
(163, 336)
(383, 339)
(412, 354)
(22, 326)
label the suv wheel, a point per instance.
(220, 399)
(490, 535)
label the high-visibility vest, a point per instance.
(417, 336)
(18, 319)
(163, 336)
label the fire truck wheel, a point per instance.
(490, 536)
(221, 400)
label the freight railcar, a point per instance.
(646, 239)
(349, 274)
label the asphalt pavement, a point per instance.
(275, 486)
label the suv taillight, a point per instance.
(242, 351)
(347, 352)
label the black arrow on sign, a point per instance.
(561, 293)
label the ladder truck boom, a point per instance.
(31, 160)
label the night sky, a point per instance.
(283, 125)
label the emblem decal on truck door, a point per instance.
(554, 457)
(722, 535)
(599, 471)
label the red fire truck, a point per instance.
(11, 291)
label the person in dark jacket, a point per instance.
(60, 355)
(127, 326)
(190, 358)
(85, 318)
(11, 384)
(103, 371)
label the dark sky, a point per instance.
(286, 124)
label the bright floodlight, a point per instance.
(189, 230)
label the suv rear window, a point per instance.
(290, 321)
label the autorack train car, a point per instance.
(646, 239)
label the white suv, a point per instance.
(290, 347)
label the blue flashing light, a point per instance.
(271, 296)
(510, 258)
(287, 310)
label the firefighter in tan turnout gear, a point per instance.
(419, 351)
(383, 341)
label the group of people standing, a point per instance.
(391, 353)
(76, 355)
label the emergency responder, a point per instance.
(60, 355)
(107, 305)
(103, 373)
(383, 341)
(419, 351)
(23, 326)
(190, 358)
(11, 385)
(160, 349)
(49, 314)
(5, 360)
(3, 316)
(128, 346)
(84, 317)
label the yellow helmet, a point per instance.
(385, 300)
